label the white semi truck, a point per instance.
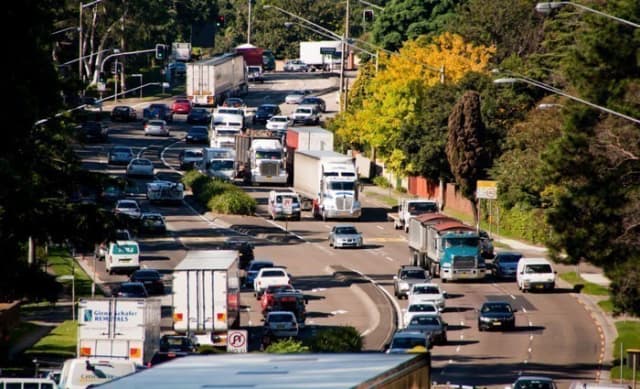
(320, 55)
(260, 159)
(206, 294)
(330, 180)
(211, 81)
(124, 328)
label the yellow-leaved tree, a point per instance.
(397, 88)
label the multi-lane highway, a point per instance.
(554, 337)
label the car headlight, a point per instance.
(485, 319)
(403, 285)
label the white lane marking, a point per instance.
(326, 250)
(530, 324)
(461, 336)
(164, 162)
(526, 361)
(380, 227)
(314, 290)
(328, 227)
(461, 322)
(513, 297)
(339, 312)
(529, 350)
(389, 259)
(285, 230)
(524, 309)
(458, 349)
(366, 332)
(450, 360)
(250, 324)
(396, 306)
(530, 337)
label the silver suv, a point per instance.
(406, 277)
(295, 65)
(306, 114)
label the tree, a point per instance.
(465, 151)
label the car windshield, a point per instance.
(541, 268)
(127, 205)
(263, 109)
(125, 249)
(146, 275)
(275, 154)
(176, 341)
(426, 290)
(142, 162)
(421, 308)
(498, 308)
(534, 384)
(259, 265)
(192, 154)
(425, 321)
(198, 130)
(279, 119)
(508, 258)
(306, 111)
(280, 318)
(294, 199)
(227, 132)
(273, 273)
(278, 288)
(153, 218)
(413, 274)
(419, 208)
(156, 123)
(221, 165)
(346, 230)
(121, 150)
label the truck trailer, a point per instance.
(124, 328)
(330, 180)
(303, 139)
(312, 54)
(446, 247)
(211, 81)
(206, 294)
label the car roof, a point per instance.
(267, 105)
(430, 284)
(125, 201)
(132, 283)
(534, 377)
(281, 313)
(496, 303)
(151, 214)
(411, 267)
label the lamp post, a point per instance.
(82, 6)
(547, 7)
(549, 88)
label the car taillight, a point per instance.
(85, 351)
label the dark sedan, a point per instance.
(265, 112)
(430, 325)
(505, 264)
(123, 113)
(93, 131)
(158, 111)
(199, 116)
(132, 289)
(152, 280)
(197, 134)
(496, 315)
(120, 155)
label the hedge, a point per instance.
(219, 196)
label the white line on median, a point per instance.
(380, 227)
(389, 259)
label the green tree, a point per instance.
(465, 151)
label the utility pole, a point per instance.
(345, 47)
(249, 23)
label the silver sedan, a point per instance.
(140, 167)
(345, 235)
(296, 97)
(156, 127)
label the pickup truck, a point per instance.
(269, 276)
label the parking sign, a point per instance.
(237, 341)
(287, 205)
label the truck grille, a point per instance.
(344, 203)
(464, 262)
(269, 169)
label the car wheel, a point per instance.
(480, 328)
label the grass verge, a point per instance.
(61, 342)
(61, 264)
(387, 199)
(629, 338)
(588, 287)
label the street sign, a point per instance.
(487, 190)
(327, 50)
(237, 341)
(287, 205)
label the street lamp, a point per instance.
(82, 6)
(547, 7)
(538, 84)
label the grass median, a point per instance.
(59, 343)
(62, 264)
(628, 338)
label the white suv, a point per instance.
(295, 65)
(306, 114)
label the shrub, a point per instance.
(190, 176)
(212, 188)
(381, 182)
(286, 346)
(337, 340)
(233, 202)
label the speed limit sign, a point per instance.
(237, 341)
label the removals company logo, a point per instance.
(88, 315)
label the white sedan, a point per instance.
(278, 123)
(427, 293)
(156, 127)
(296, 97)
(128, 207)
(140, 167)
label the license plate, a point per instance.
(279, 326)
(497, 323)
(125, 260)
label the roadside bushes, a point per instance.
(218, 195)
(337, 340)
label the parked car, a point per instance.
(140, 167)
(409, 342)
(534, 382)
(120, 155)
(431, 325)
(296, 96)
(151, 278)
(128, 207)
(306, 114)
(419, 309)
(158, 111)
(427, 293)
(123, 113)
(319, 103)
(253, 269)
(132, 289)
(496, 315)
(295, 65)
(278, 123)
(181, 106)
(345, 235)
(156, 127)
(406, 277)
(189, 158)
(505, 263)
(178, 343)
(152, 223)
(197, 134)
(199, 116)
(265, 112)
(281, 324)
(236, 102)
(94, 131)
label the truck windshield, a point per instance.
(221, 165)
(227, 132)
(457, 242)
(420, 208)
(342, 185)
(272, 154)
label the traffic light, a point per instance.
(220, 21)
(367, 15)
(161, 51)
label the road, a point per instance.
(554, 337)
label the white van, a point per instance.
(535, 274)
(78, 373)
(123, 255)
(284, 205)
(27, 383)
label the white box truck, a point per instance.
(206, 294)
(309, 138)
(408, 208)
(211, 81)
(313, 54)
(330, 180)
(124, 328)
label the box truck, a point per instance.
(211, 81)
(124, 328)
(206, 293)
(320, 55)
(329, 179)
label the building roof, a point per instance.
(262, 370)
